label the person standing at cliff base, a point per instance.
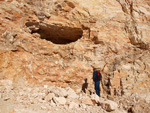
(97, 77)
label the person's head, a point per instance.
(98, 69)
(94, 69)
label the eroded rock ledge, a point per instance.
(57, 34)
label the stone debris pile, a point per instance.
(48, 97)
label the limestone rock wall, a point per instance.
(56, 41)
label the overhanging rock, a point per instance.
(57, 34)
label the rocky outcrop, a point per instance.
(137, 18)
(57, 42)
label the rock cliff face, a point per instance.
(55, 42)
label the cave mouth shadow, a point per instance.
(55, 33)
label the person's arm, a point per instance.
(101, 76)
(94, 76)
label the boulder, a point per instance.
(95, 98)
(49, 97)
(109, 105)
(71, 93)
(58, 91)
(87, 101)
(73, 105)
(59, 100)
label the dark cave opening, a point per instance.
(55, 33)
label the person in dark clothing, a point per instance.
(96, 78)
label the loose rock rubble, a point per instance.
(52, 99)
(49, 98)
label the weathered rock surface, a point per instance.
(56, 42)
(111, 34)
